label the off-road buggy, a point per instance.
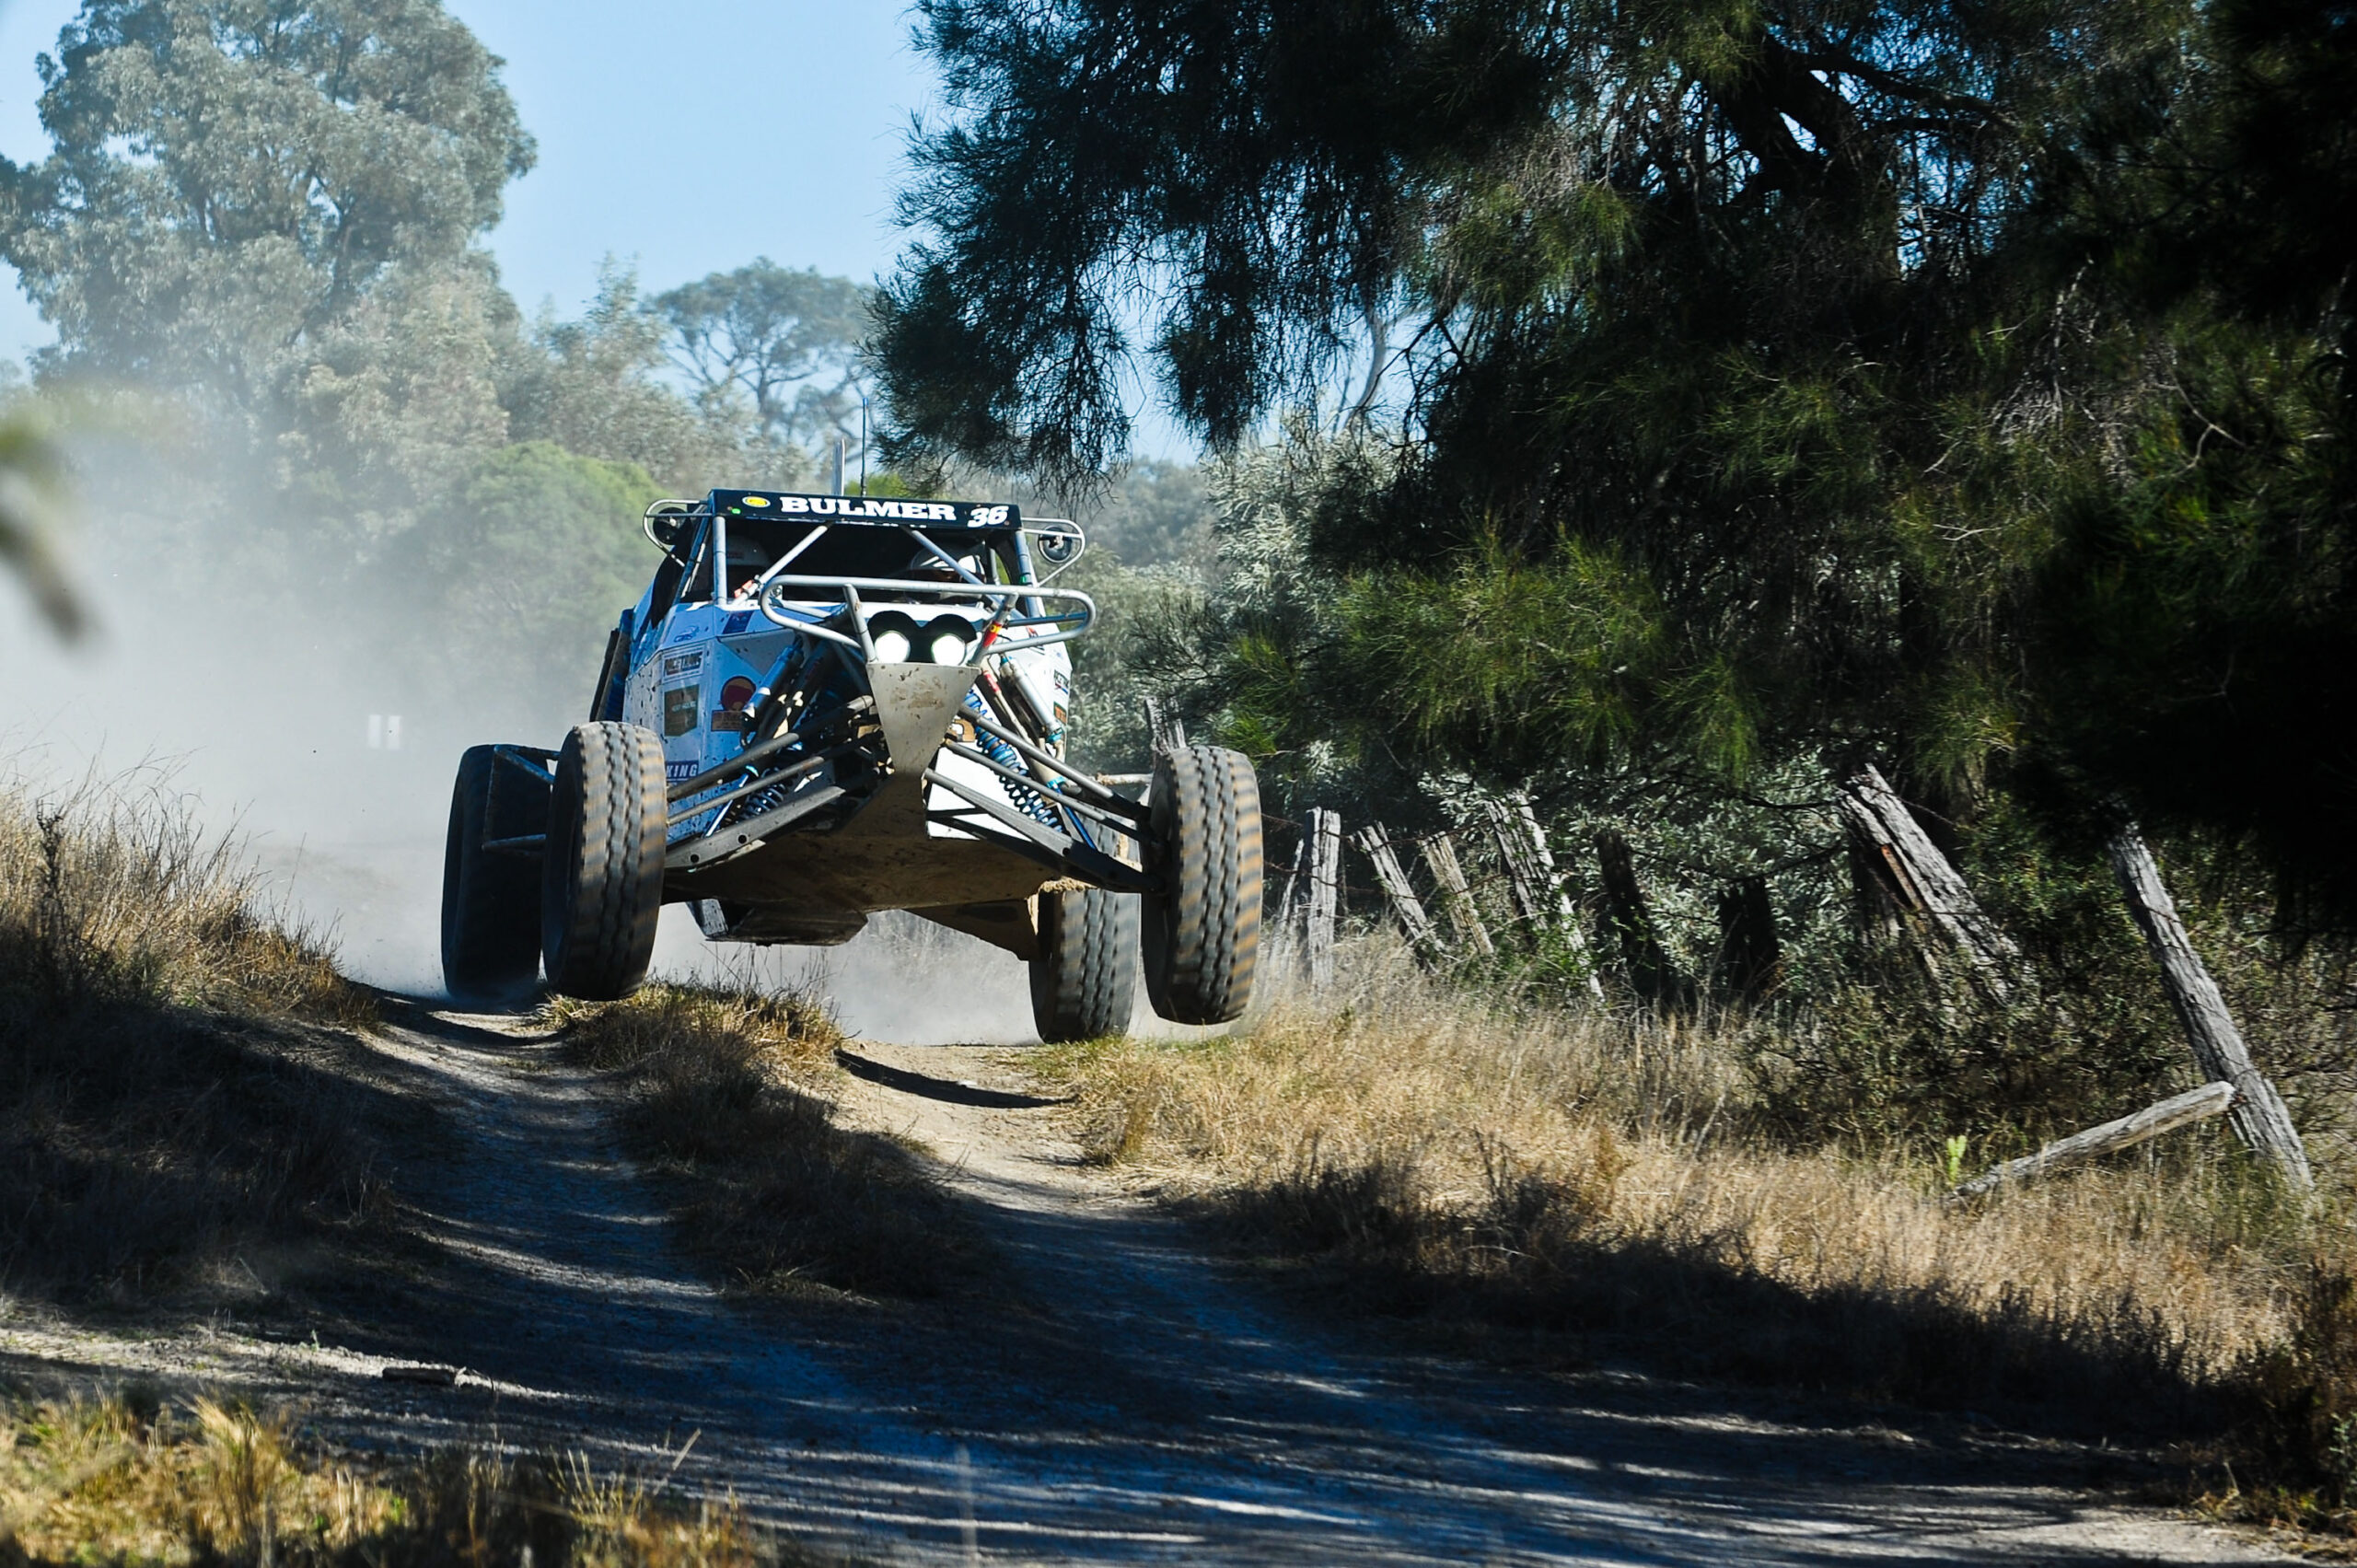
(826, 706)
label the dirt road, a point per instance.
(1130, 1400)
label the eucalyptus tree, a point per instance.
(780, 345)
(232, 182)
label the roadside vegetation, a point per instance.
(728, 1094)
(134, 1480)
(174, 1109)
(1562, 1184)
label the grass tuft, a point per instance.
(177, 1114)
(730, 1092)
(130, 1480)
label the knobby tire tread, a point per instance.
(491, 936)
(1203, 939)
(604, 887)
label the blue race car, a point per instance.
(828, 705)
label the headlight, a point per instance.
(892, 645)
(945, 638)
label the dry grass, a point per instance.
(128, 1481)
(730, 1091)
(176, 1108)
(1610, 1180)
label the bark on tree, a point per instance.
(1456, 896)
(2194, 1105)
(1405, 906)
(2259, 1116)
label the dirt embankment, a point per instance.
(1115, 1395)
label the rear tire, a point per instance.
(491, 902)
(601, 886)
(1083, 984)
(1202, 933)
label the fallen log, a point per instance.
(2260, 1117)
(2194, 1105)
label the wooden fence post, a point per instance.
(1456, 896)
(1926, 885)
(1324, 893)
(1404, 903)
(1651, 974)
(2259, 1116)
(1540, 896)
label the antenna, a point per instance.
(862, 443)
(839, 463)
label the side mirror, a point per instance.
(1058, 543)
(670, 524)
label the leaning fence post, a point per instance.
(1653, 974)
(1456, 897)
(1531, 876)
(2259, 1116)
(1324, 893)
(1926, 885)
(1376, 846)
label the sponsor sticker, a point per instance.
(737, 621)
(682, 632)
(738, 693)
(680, 705)
(679, 773)
(757, 500)
(729, 719)
(680, 665)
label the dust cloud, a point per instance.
(309, 723)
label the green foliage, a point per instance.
(229, 178)
(774, 346)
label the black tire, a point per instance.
(1202, 933)
(491, 902)
(602, 885)
(1083, 984)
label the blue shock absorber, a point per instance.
(1026, 799)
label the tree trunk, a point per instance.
(2259, 1116)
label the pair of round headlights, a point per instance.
(899, 639)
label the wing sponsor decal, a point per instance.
(679, 667)
(872, 510)
(679, 773)
(737, 621)
(680, 705)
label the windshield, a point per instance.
(864, 550)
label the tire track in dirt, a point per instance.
(1126, 1398)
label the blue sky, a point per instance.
(693, 135)
(689, 137)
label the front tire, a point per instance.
(491, 900)
(602, 885)
(1083, 984)
(1202, 933)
